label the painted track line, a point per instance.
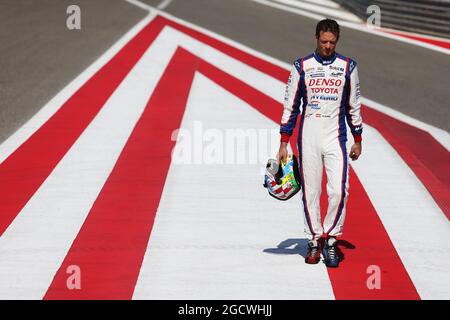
(51, 219)
(366, 243)
(440, 135)
(22, 173)
(122, 216)
(414, 222)
(429, 160)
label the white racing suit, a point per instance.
(324, 93)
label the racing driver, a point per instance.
(323, 88)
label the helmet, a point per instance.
(282, 181)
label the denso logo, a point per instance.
(325, 82)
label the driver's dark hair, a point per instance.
(327, 25)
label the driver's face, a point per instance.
(326, 44)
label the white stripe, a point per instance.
(35, 244)
(417, 227)
(23, 133)
(355, 26)
(208, 240)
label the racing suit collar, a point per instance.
(324, 61)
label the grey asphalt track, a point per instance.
(39, 55)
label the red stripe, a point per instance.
(287, 190)
(426, 157)
(278, 190)
(23, 172)
(367, 244)
(110, 246)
